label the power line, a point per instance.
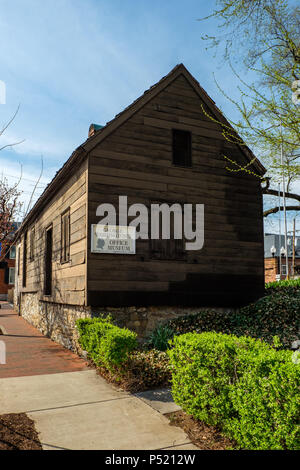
(25, 179)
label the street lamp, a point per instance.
(273, 250)
(282, 251)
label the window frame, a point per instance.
(65, 237)
(188, 163)
(47, 288)
(9, 274)
(168, 249)
(10, 250)
(31, 244)
(24, 273)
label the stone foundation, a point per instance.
(57, 321)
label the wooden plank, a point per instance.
(215, 134)
(145, 286)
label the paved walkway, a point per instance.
(72, 407)
(28, 352)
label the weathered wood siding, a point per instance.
(136, 160)
(68, 279)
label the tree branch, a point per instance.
(276, 209)
(273, 192)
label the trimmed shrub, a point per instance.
(239, 384)
(266, 404)
(105, 342)
(160, 337)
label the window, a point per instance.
(168, 249)
(32, 240)
(11, 276)
(48, 263)
(19, 260)
(182, 148)
(12, 252)
(24, 260)
(172, 248)
(65, 237)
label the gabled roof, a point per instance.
(81, 152)
(148, 95)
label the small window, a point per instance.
(65, 237)
(24, 260)
(182, 148)
(168, 249)
(12, 252)
(19, 260)
(32, 242)
(11, 276)
(48, 263)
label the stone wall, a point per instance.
(58, 321)
(143, 320)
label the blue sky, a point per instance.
(69, 63)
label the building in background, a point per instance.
(275, 252)
(7, 264)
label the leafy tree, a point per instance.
(263, 36)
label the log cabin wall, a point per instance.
(68, 284)
(136, 160)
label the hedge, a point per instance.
(241, 385)
(105, 342)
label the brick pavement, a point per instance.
(28, 352)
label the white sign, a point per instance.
(113, 239)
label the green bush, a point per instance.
(159, 338)
(289, 286)
(105, 342)
(147, 370)
(239, 384)
(276, 314)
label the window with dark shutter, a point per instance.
(168, 249)
(182, 148)
(65, 237)
(48, 262)
(32, 240)
(24, 260)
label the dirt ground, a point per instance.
(203, 436)
(17, 432)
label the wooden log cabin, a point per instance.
(59, 278)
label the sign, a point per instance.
(113, 239)
(277, 277)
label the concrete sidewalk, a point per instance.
(80, 410)
(72, 407)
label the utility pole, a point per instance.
(294, 248)
(284, 206)
(279, 215)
